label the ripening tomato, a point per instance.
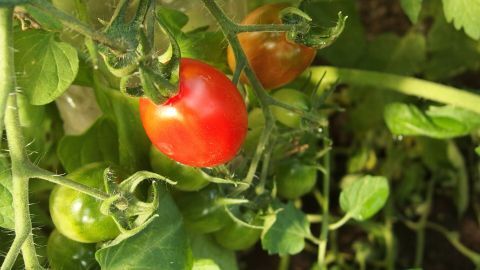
(203, 125)
(275, 60)
(77, 215)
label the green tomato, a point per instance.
(295, 179)
(77, 215)
(64, 253)
(294, 98)
(256, 122)
(235, 236)
(187, 178)
(201, 213)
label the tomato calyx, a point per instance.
(130, 213)
(305, 33)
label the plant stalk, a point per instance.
(402, 84)
(322, 246)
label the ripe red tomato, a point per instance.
(275, 60)
(204, 124)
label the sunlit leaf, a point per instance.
(364, 197)
(46, 67)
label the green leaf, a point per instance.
(436, 122)
(162, 244)
(206, 264)
(364, 197)
(6, 198)
(199, 43)
(450, 51)
(285, 232)
(348, 48)
(46, 67)
(464, 14)
(205, 45)
(390, 53)
(133, 142)
(477, 150)
(205, 248)
(412, 8)
(98, 143)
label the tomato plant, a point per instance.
(64, 253)
(203, 125)
(77, 215)
(275, 60)
(210, 163)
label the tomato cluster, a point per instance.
(203, 125)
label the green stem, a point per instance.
(230, 29)
(339, 223)
(78, 26)
(322, 246)
(389, 237)
(7, 74)
(266, 28)
(40, 173)
(454, 240)
(420, 248)
(402, 84)
(19, 160)
(284, 262)
(8, 112)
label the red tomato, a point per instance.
(275, 60)
(204, 124)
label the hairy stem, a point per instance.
(7, 74)
(63, 181)
(23, 223)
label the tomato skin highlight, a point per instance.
(275, 60)
(205, 124)
(77, 215)
(64, 253)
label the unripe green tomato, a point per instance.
(187, 178)
(295, 179)
(200, 211)
(64, 253)
(256, 123)
(235, 236)
(77, 215)
(293, 98)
